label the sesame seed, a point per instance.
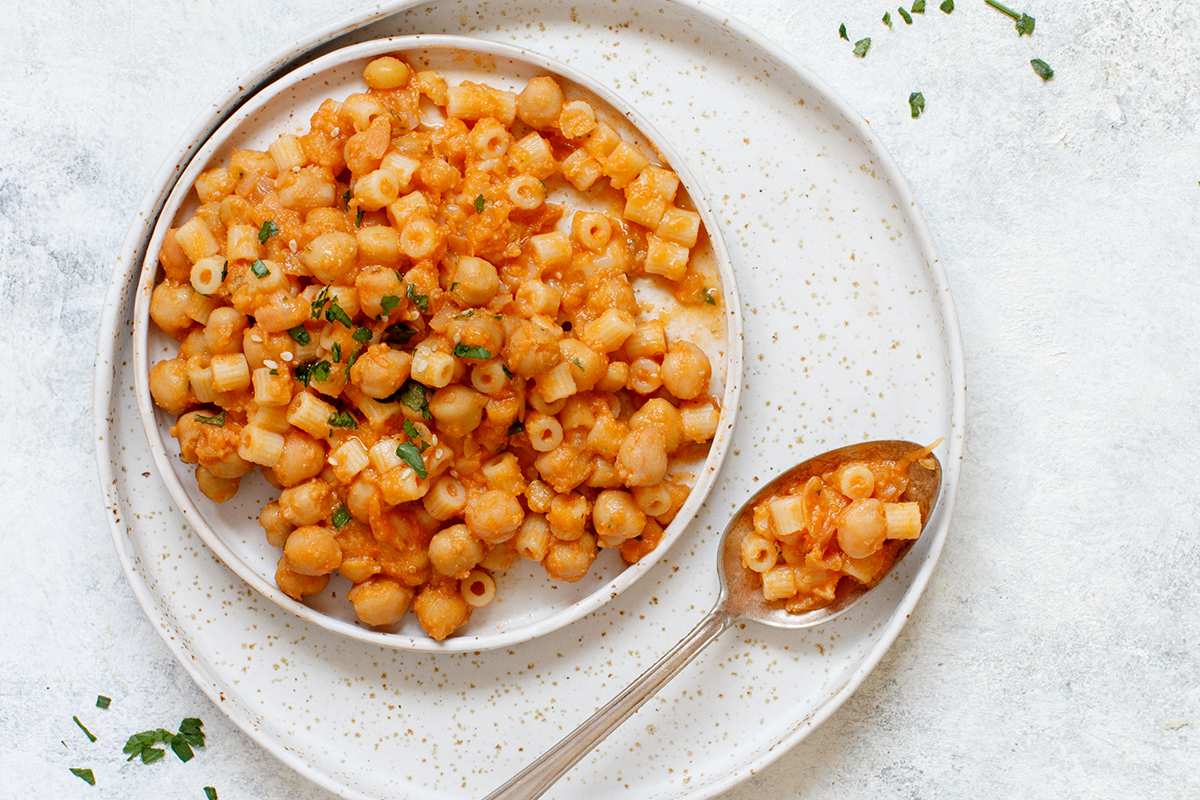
(271, 364)
(404, 473)
(254, 337)
(293, 246)
(336, 132)
(437, 453)
(296, 168)
(453, 473)
(286, 355)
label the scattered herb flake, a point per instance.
(887, 18)
(421, 301)
(224, 270)
(299, 334)
(341, 517)
(274, 372)
(319, 303)
(409, 454)
(86, 732)
(475, 351)
(862, 46)
(465, 314)
(389, 303)
(210, 793)
(1042, 69)
(143, 745)
(578, 363)
(1025, 25)
(410, 429)
(710, 295)
(918, 7)
(516, 427)
(415, 396)
(336, 313)
(336, 352)
(190, 730)
(454, 285)
(916, 103)
(507, 372)
(362, 335)
(905, 15)
(353, 359)
(103, 702)
(269, 229)
(217, 420)
(359, 219)
(343, 420)
(842, 32)
(947, 6)
(996, 4)
(260, 269)
(479, 201)
(346, 199)
(399, 333)
(85, 775)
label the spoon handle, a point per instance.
(539, 776)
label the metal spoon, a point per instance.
(740, 598)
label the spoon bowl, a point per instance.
(740, 597)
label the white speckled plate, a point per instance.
(849, 335)
(528, 603)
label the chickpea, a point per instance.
(313, 550)
(862, 527)
(380, 601)
(296, 585)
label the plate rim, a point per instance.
(109, 337)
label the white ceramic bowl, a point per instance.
(528, 604)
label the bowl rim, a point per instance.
(179, 187)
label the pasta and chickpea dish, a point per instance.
(440, 371)
(847, 523)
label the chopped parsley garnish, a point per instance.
(210, 793)
(413, 395)
(577, 363)
(421, 301)
(916, 103)
(85, 775)
(464, 351)
(143, 744)
(887, 18)
(274, 372)
(299, 334)
(918, 7)
(862, 46)
(507, 371)
(358, 221)
(260, 269)
(353, 359)
(346, 199)
(1042, 69)
(319, 303)
(336, 350)
(409, 454)
(399, 333)
(516, 427)
(454, 285)
(411, 430)
(224, 270)
(710, 295)
(91, 736)
(362, 335)
(1025, 22)
(312, 371)
(341, 517)
(103, 702)
(947, 6)
(479, 201)
(343, 420)
(269, 229)
(905, 15)
(336, 313)
(389, 303)
(465, 314)
(842, 32)
(217, 420)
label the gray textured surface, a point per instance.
(1056, 650)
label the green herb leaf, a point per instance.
(143, 745)
(507, 372)
(346, 199)
(336, 352)
(918, 7)
(1042, 69)
(299, 334)
(410, 430)
(362, 335)
(85, 775)
(319, 302)
(916, 103)
(190, 730)
(842, 32)
(182, 748)
(577, 363)
(710, 295)
(947, 6)
(862, 46)
(399, 333)
(516, 427)
(217, 420)
(389, 303)
(88, 733)
(260, 269)
(463, 351)
(454, 285)
(358, 221)
(905, 15)
(269, 229)
(409, 454)
(996, 4)
(224, 270)
(312, 371)
(210, 793)
(479, 201)
(421, 301)
(341, 517)
(1025, 25)
(413, 395)
(465, 314)
(343, 420)
(887, 18)
(274, 372)
(103, 702)
(335, 313)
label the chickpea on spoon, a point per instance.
(780, 575)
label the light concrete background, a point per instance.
(1056, 651)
